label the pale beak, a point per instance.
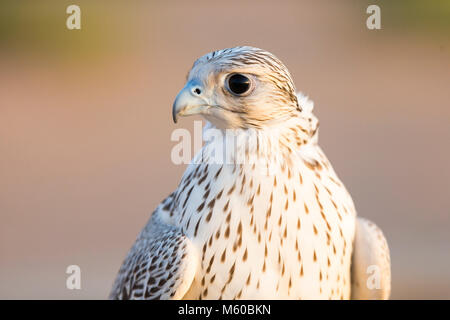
(189, 101)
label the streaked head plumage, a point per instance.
(240, 87)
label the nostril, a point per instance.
(197, 91)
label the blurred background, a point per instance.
(85, 125)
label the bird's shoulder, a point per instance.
(160, 265)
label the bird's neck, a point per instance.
(237, 145)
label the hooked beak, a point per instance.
(189, 101)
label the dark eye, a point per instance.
(239, 84)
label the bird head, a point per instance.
(240, 87)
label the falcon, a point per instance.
(259, 212)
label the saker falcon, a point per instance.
(268, 220)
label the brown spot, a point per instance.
(242, 189)
(244, 257)
(187, 196)
(228, 217)
(227, 232)
(317, 189)
(208, 217)
(334, 204)
(218, 233)
(231, 272)
(202, 179)
(211, 203)
(225, 208)
(231, 189)
(319, 203)
(250, 201)
(243, 180)
(200, 207)
(224, 255)
(210, 264)
(306, 209)
(188, 223)
(336, 182)
(269, 212)
(210, 241)
(217, 174)
(313, 166)
(196, 227)
(239, 229)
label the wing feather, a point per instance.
(161, 264)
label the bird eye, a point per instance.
(238, 84)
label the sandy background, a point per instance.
(85, 125)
